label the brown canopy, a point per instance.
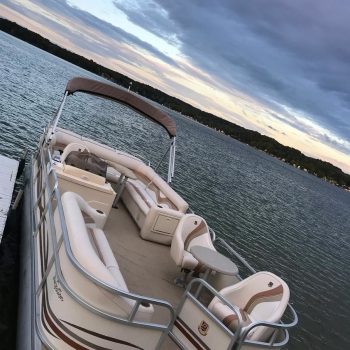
(95, 87)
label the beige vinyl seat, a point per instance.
(150, 200)
(192, 230)
(262, 297)
(153, 204)
(90, 247)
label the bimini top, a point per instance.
(95, 87)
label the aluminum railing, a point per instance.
(232, 254)
(44, 178)
(279, 327)
(198, 285)
(238, 338)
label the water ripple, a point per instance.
(282, 219)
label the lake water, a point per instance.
(281, 219)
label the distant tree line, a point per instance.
(267, 144)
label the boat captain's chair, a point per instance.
(192, 230)
(262, 297)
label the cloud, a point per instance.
(83, 29)
(280, 68)
(272, 128)
(150, 15)
(293, 52)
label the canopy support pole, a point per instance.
(174, 150)
(171, 167)
(54, 122)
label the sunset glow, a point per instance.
(168, 58)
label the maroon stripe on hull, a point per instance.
(187, 335)
(51, 323)
(98, 335)
(59, 333)
(44, 320)
(194, 335)
(64, 332)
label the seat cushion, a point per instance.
(188, 261)
(105, 252)
(229, 318)
(231, 321)
(139, 196)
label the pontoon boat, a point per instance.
(113, 258)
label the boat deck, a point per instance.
(147, 267)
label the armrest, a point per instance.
(98, 217)
(122, 169)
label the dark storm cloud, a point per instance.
(285, 53)
(144, 13)
(296, 52)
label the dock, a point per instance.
(8, 173)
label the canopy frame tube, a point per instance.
(125, 97)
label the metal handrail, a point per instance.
(240, 334)
(232, 252)
(35, 302)
(281, 325)
(195, 299)
(49, 189)
(278, 326)
(49, 174)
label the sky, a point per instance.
(279, 67)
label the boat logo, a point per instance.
(57, 288)
(203, 328)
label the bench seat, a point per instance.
(91, 249)
(152, 203)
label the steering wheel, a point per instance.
(74, 146)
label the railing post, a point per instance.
(134, 310)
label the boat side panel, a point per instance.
(26, 337)
(195, 329)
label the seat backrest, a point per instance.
(79, 240)
(192, 230)
(195, 231)
(265, 298)
(160, 189)
(263, 304)
(144, 173)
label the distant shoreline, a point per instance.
(317, 167)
